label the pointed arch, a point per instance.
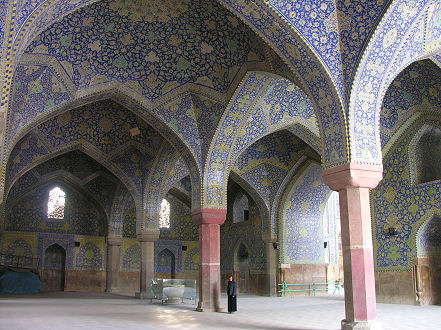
(263, 207)
(262, 104)
(90, 151)
(400, 39)
(134, 104)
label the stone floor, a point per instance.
(73, 310)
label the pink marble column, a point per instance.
(113, 262)
(353, 182)
(209, 221)
(147, 239)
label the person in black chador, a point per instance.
(232, 295)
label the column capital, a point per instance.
(353, 175)
(114, 240)
(148, 235)
(209, 216)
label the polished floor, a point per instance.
(73, 310)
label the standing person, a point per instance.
(232, 295)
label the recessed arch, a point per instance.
(250, 115)
(90, 151)
(138, 109)
(166, 263)
(303, 60)
(392, 48)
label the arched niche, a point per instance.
(166, 264)
(54, 264)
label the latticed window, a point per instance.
(164, 214)
(55, 204)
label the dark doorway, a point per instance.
(242, 269)
(54, 268)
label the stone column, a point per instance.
(113, 262)
(271, 262)
(209, 221)
(147, 239)
(353, 182)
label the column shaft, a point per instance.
(147, 239)
(271, 262)
(358, 259)
(353, 182)
(209, 222)
(113, 263)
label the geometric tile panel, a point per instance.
(191, 262)
(356, 21)
(302, 218)
(36, 90)
(316, 22)
(396, 202)
(22, 248)
(183, 41)
(89, 257)
(131, 258)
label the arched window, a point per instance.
(164, 214)
(240, 208)
(55, 204)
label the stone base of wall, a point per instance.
(74, 280)
(395, 287)
(128, 282)
(258, 283)
(85, 281)
(303, 274)
(52, 280)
